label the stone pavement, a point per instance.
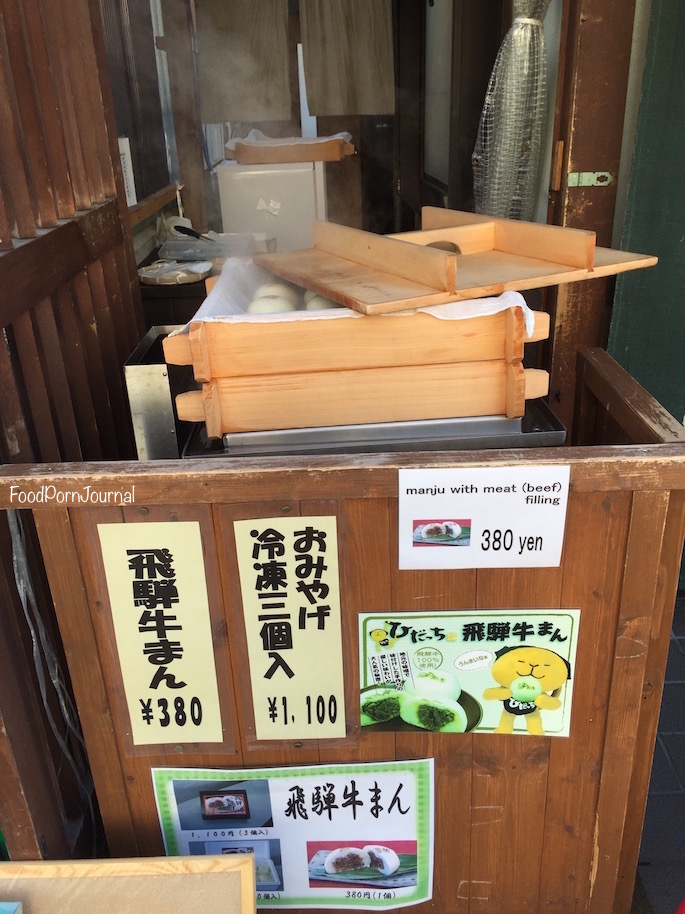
(661, 867)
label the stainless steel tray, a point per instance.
(539, 427)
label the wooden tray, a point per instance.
(255, 152)
(358, 396)
(224, 349)
(377, 274)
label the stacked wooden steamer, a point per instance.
(388, 367)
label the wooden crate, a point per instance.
(260, 375)
(522, 823)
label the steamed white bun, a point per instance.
(277, 290)
(318, 303)
(270, 304)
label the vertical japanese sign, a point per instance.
(491, 671)
(482, 517)
(325, 836)
(291, 603)
(160, 611)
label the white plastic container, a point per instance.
(281, 200)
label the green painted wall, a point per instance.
(647, 333)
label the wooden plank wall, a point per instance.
(70, 314)
(70, 307)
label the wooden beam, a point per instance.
(59, 552)
(238, 481)
(150, 205)
(630, 405)
(34, 270)
(595, 59)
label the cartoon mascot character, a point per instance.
(530, 680)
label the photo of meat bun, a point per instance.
(440, 715)
(432, 530)
(379, 704)
(384, 859)
(346, 859)
(452, 528)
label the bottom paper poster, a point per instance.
(324, 836)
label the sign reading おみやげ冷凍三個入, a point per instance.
(290, 590)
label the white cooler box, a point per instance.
(282, 200)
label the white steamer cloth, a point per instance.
(240, 278)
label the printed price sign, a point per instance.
(291, 603)
(160, 611)
(484, 517)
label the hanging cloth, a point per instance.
(242, 52)
(347, 47)
(508, 153)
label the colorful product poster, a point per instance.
(291, 604)
(482, 517)
(324, 836)
(160, 611)
(486, 671)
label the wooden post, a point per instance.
(185, 104)
(595, 49)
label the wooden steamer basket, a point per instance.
(389, 367)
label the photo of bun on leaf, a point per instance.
(391, 863)
(442, 532)
(433, 701)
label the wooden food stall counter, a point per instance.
(523, 822)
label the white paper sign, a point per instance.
(328, 836)
(483, 517)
